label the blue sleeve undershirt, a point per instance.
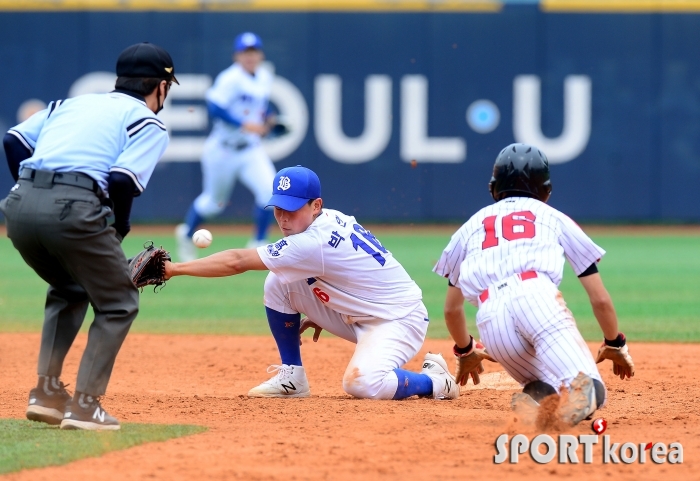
(217, 112)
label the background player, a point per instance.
(65, 160)
(338, 274)
(238, 104)
(508, 260)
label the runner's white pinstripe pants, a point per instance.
(527, 328)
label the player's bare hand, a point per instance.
(623, 365)
(469, 364)
(305, 324)
(168, 270)
(260, 129)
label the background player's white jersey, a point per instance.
(245, 97)
(346, 267)
(514, 235)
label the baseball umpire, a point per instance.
(75, 163)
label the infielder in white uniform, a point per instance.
(340, 276)
(238, 105)
(508, 260)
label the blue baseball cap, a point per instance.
(293, 187)
(247, 40)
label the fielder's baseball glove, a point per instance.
(623, 365)
(147, 268)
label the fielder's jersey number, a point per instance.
(518, 225)
(375, 250)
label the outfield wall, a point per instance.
(612, 98)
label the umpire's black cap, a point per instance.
(146, 60)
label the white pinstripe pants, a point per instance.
(527, 328)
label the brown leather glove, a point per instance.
(147, 268)
(469, 362)
(623, 365)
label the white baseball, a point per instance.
(202, 238)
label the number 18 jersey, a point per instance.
(345, 267)
(514, 235)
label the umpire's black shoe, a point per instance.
(48, 400)
(85, 412)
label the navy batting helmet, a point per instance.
(521, 168)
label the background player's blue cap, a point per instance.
(293, 187)
(247, 40)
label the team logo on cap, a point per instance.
(248, 39)
(168, 69)
(285, 183)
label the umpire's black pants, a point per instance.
(61, 231)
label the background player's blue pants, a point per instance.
(262, 218)
(193, 220)
(222, 166)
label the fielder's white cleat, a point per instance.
(581, 402)
(290, 381)
(185, 247)
(444, 385)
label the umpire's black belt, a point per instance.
(46, 178)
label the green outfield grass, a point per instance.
(27, 445)
(654, 281)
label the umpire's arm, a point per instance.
(16, 151)
(121, 190)
(221, 264)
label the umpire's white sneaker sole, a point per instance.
(444, 385)
(44, 415)
(290, 381)
(581, 402)
(88, 426)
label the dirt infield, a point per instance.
(203, 380)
